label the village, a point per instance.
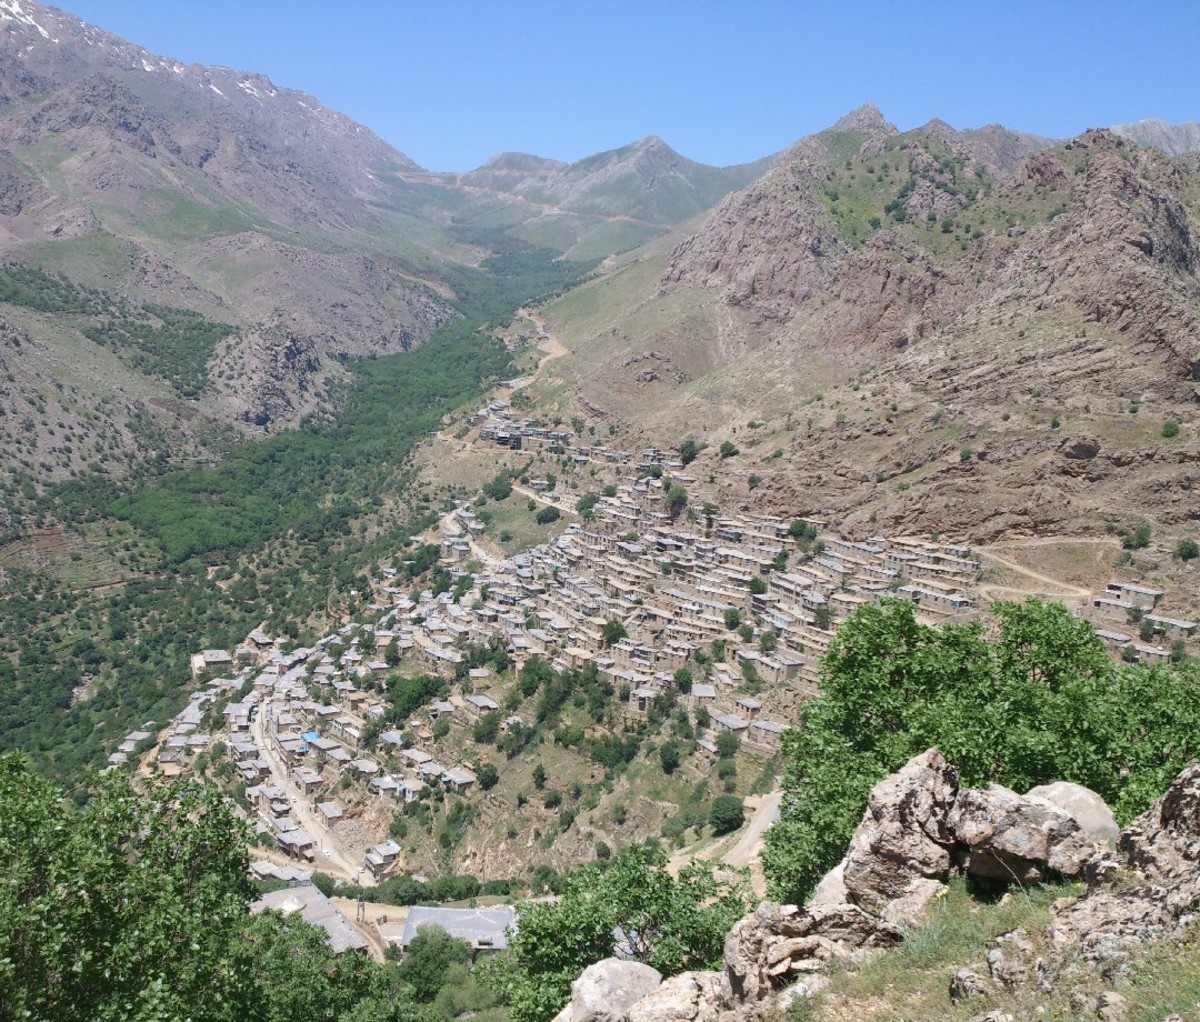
(730, 614)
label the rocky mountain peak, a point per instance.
(866, 118)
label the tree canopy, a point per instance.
(672, 924)
(1038, 701)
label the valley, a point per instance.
(595, 546)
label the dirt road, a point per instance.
(330, 857)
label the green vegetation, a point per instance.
(1187, 550)
(1039, 702)
(292, 525)
(1138, 539)
(175, 344)
(689, 450)
(672, 924)
(726, 814)
(1158, 979)
(137, 907)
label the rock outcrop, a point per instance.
(1151, 886)
(919, 827)
(903, 842)
(605, 992)
(1004, 836)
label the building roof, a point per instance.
(314, 908)
(483, 927)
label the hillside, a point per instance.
(971, 333)
(290, 237)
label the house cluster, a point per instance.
(675, 588)
(1130, 602)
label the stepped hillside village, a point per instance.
(615, 589)
(664, 606)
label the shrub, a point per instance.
(1170, 428)
(1137, 539)
(1187, 550)
(547, 515)
(726, 814)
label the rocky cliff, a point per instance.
(919, 828)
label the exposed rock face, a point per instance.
(1162, 847)
(1084, 806)
(1014, 839)
(604, 992)
(904, 836)
(767, 948)
(773, 956)
(688, 997)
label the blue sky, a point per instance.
(451, 82)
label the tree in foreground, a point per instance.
(672, 924)
(136, 907)
(1041, 701)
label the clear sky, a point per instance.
(452, 82)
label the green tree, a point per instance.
(733, 618)
(677, 498)
(430, 954)
(727, 744)
(727, 449)
(1039, 701)
(726, 814)
(688, 450)
(683, 680)
(391, 653)
(539, 776)
(672, 924)
(612, 632)
(668, 757)
(1187, 550)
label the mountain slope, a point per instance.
(918, 338)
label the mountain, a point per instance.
(973, 333)
(132, 183)
(1172, 139)
(608, 202)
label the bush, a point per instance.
(672, 924)
(1056, 708)
(1137, 539)
(1170, 429)
(727, 449)
(668, 757)
(727, 744)
(1187, 550)
(547, 515)
(726, 814)
(430, 954)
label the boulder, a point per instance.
(1007, 837)
(832, 888)
(1157, 887)
(1084, 806)
(604, 992)
(903, 836)
(688, 997)
(910, 909)
(769, 948)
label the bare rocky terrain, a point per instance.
(982, 334)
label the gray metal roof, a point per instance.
(314, 908)
(483, 927)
